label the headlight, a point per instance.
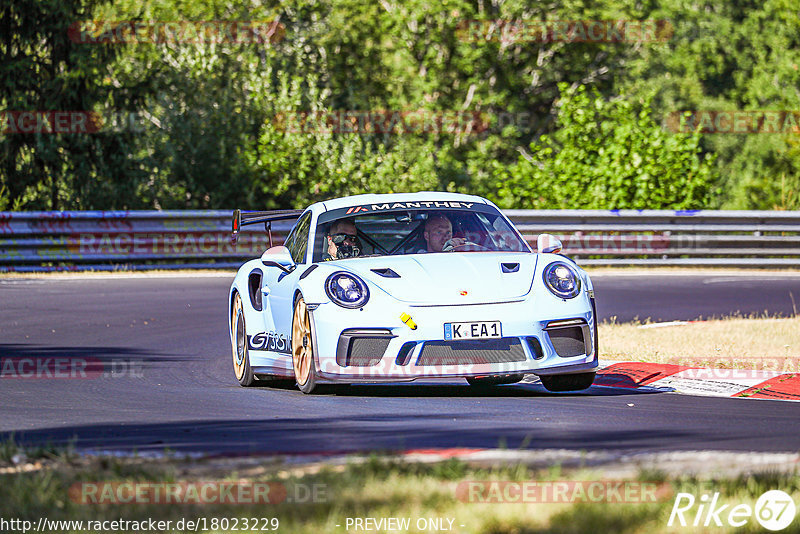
(346, 290)
(562, 280)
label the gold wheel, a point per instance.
(241, 359)
(303, 347)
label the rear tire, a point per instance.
(241, 356)
(303, 348)
(571, 382)
(488, 381)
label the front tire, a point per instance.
(303, 348)
(241, 356)
(570, 382)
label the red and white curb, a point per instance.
(745, 383)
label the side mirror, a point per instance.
(548, 244)
(279, 257)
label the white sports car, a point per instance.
(400, 287)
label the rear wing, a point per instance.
(243, 218)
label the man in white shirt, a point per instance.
(438, 231)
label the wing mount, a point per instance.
(244, 218)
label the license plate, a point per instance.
(477, 330)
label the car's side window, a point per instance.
(297, 242)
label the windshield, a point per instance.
(373, 231)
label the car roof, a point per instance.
(422, 196)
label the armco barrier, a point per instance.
(663, 237)
(110, 240)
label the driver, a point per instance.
(342, 241)
(438, 231)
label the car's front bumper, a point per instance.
(531, 343)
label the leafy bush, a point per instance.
(606, 154)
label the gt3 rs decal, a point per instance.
(271, 341)
(407, 205)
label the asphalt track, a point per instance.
(168, 382)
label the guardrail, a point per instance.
(118, 240)
(663, 237)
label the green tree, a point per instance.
(725, 55)
(43, 70)
(606, 154)
(208, 133)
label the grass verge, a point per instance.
(761, 343)
(451, 495)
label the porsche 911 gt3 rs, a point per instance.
(400, 287)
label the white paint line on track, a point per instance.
(731, 279)
(662, 325)
(748, 377)
(708, 382)
(707, 388)
(716, 275)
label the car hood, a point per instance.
(449, 278)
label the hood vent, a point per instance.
(510, 267)
(386, 273)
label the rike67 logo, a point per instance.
(774, 510)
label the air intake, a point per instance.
(386, 273)
(510, 267)
(362, 347)
(503, 350)
(570, 338)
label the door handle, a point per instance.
(265, 290)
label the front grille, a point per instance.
(568, 342)
(474, 351)
(365, 351)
